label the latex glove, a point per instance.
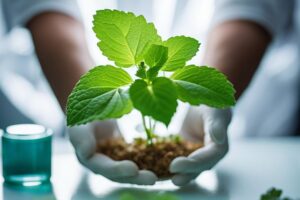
(84, 139)
(214, 123)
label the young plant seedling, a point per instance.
(108, 91)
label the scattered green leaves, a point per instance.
(180, 50)
(203, 85)
(273, 194)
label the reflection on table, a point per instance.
(251, 167)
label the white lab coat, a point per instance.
(25, 96)
(271, 103)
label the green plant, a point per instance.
(273, 194)
(108, 91)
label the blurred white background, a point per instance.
(22, 81)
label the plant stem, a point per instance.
(150, 126)
(154, 125)
(148, 132)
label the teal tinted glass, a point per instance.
(26, 153)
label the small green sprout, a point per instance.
(108, 91)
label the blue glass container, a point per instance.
(26, 154)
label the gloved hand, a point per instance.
(214, 123)
(84, 139)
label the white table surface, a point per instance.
(251, 167)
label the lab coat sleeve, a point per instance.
(274, 15)
(19, 12)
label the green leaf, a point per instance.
(272, 194)
(204, 85)
(141, 72)
(153, 72)
(98, 96)
(180, 50)
(158, 100)
(124, 37)
(156, 56)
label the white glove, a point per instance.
(214, 123)
(84, 139)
